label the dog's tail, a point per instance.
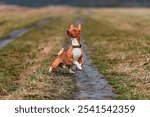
(61, 51)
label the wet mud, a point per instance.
(91, 85)
(20, 32)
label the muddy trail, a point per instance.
(91, 85)
(20, 32)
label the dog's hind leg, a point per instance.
(55, 64)
(70, 69)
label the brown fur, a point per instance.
(66, 56)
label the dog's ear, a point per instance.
(79, 27)
(71, 27)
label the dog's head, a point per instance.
(73, 31)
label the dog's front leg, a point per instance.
(76, 63)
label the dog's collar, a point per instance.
(78, 46)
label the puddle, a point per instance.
(13, 35)
(91, 85)
(19, 32)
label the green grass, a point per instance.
(19, 17)
(24, 64)
(42, 85)
(9, 24)
(118, 41)
(120, 49)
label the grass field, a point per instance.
(24, 63)
(14, 17)
(118, 40)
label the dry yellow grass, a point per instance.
(25, 76)
(45, 51)
(118, 39)
(13, 17)
(120, 46)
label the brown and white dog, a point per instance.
(72, 56)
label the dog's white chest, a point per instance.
(76, 51)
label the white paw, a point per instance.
(64, 66)
(80, 68)
(78, 65)
(72, 72)
(50, 69)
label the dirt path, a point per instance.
(19, 32)
(91, 85)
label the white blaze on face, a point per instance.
(76, 51)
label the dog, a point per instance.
(72, 56)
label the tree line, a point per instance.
(82, 3)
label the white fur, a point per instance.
(76, 53)
(64, 66)
(78, 65)
(60, 51)
(74, 42)
(50, 69)
(72, 72)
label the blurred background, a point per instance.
(82, 3)
(116, 32)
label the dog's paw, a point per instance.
(79, 68)
(50, 70)
(78, 65)
(64, 66)
(71, 71)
